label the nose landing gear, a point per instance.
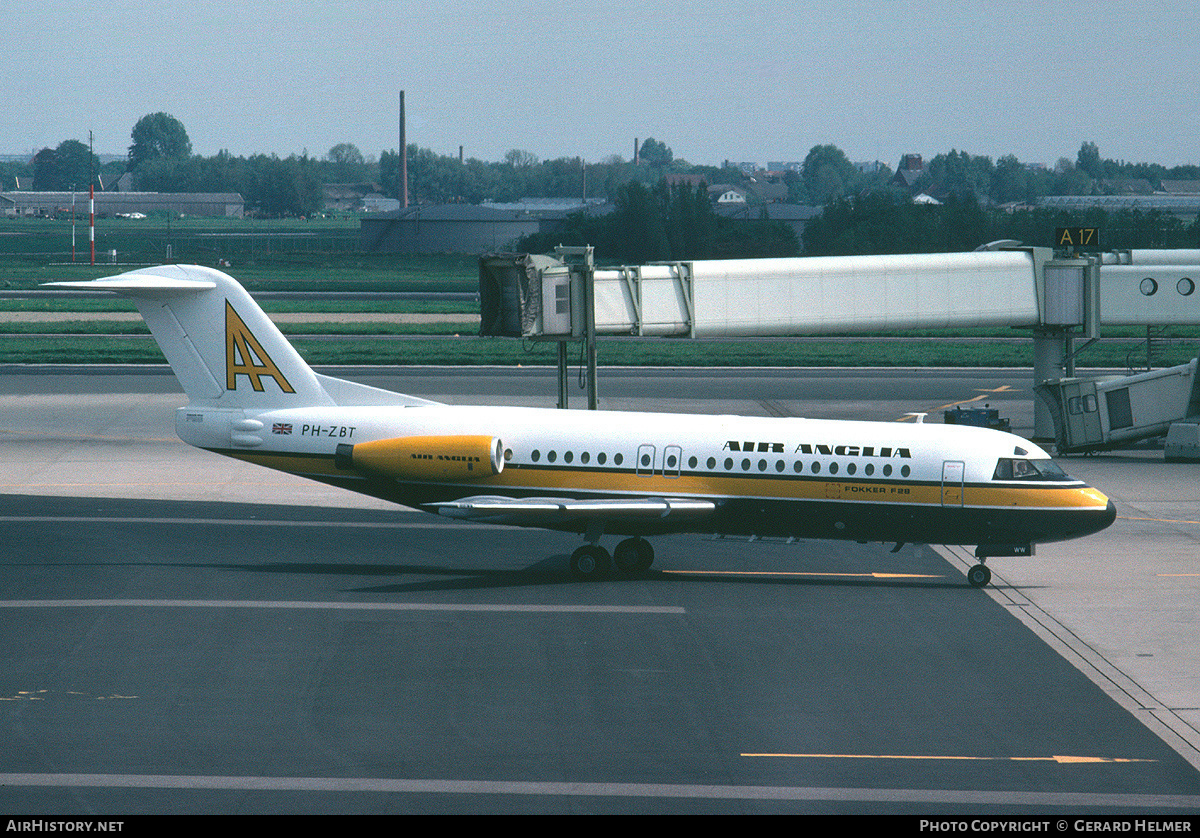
(979, 576)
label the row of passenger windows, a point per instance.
(568, 457)
(672, 464)
(798, 467)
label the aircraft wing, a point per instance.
(549, 511)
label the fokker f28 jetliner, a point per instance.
(596, 473)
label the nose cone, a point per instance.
(1097, 517)
(1110, 515)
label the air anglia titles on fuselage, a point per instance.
(818, 448)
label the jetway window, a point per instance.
(1079, 405)
(1185, 287)
(1120, 413)
(1149, 287)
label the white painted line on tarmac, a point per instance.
(432, 524)
(569, 789)
(342, 606)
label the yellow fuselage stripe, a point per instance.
(765, 486)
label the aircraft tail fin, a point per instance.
(223, 348)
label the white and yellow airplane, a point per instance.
(596, 472)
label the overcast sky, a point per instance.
(714, 80)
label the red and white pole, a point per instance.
(92, 221)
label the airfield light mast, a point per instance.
(91, 200)
(403, 157)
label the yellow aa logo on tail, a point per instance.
(244, 355)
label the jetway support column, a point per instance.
(1051, 358)
(563, 373)
(581, 263)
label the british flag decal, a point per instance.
(281, 428)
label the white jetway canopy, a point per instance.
(760, 297)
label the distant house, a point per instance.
(1126, 186)
(1181, 187)
(725, 193)
(376, 202)
(692, 180)
(349, 197)
(768, 189)
(795, 216)
(910, 170)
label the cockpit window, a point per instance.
(1016, 468)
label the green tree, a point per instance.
(158, 136)
(277, 187)
(70, 166)
(958, 172)
(655, 154)
(1088, 161)
(1011, 181)
(519, 159)
(347, 163)
(827, 174)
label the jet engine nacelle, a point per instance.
(442, 458)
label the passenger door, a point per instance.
(953, 474)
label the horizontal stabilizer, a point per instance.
(139, 285)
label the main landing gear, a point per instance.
(632, 556)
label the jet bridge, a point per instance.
(1059, 297)
(566, 298)
(524, 297)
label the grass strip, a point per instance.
(665, 352)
